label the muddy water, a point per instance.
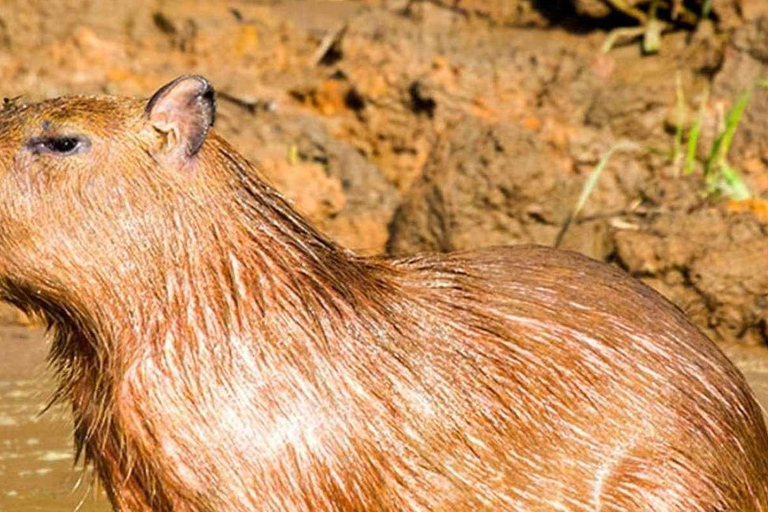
(36, 467)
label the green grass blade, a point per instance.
(722, 143)
(694, 134)
(652, 36)
(679, 121)
(732, 121)
(693, 142)
(589, 187)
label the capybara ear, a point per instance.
(183, 110)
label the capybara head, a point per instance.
(84, 179)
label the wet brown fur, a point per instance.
(219, 354)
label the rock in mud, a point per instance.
(711, 263)
(484, 185)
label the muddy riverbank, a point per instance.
(403, 126)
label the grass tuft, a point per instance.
(589, 187)
(720, 177)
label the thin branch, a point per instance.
(252, 106)
(331, 39)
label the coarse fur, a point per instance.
(220, 354)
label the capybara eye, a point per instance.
(60, 145)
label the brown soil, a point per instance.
(411, 125)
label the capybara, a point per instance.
(219, 354)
